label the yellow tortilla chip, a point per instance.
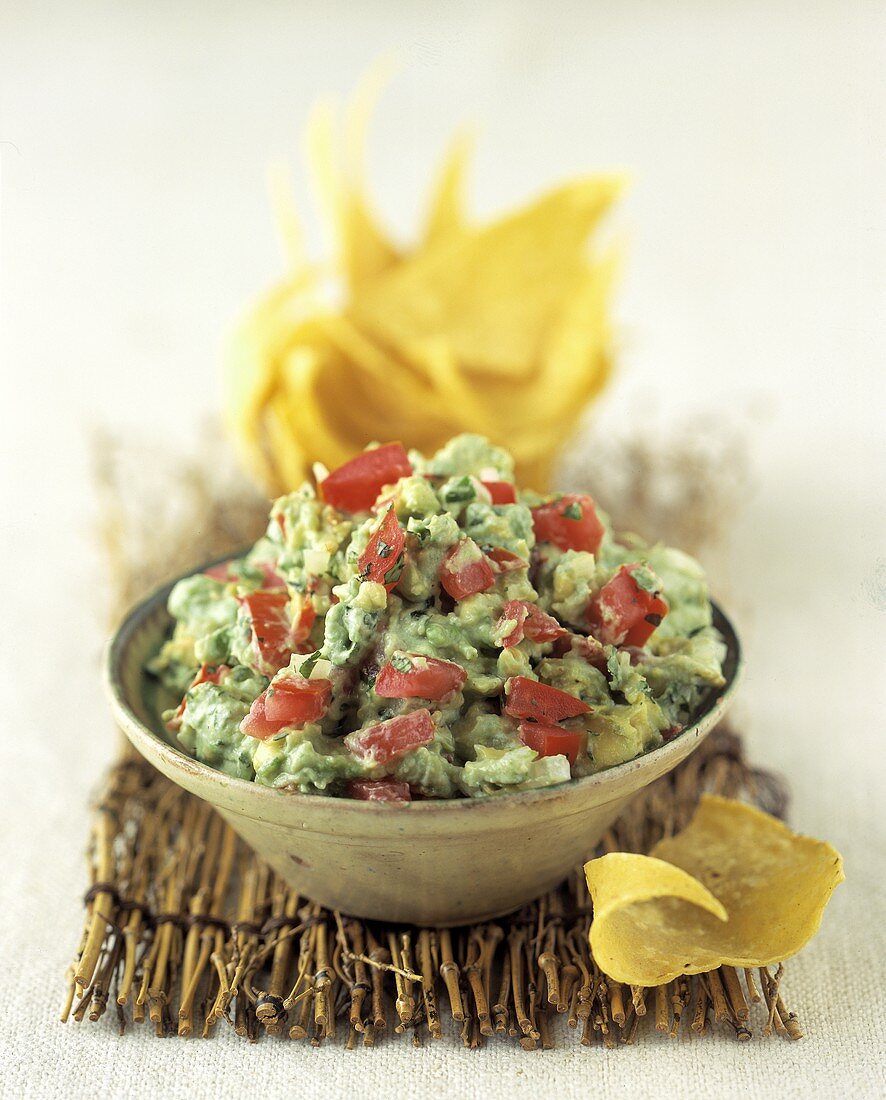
(737, 887)
(491, 293)
(253, 364)
(577, 352)
(500, 329)
(365, 252)
(446, 217)
(286, 215)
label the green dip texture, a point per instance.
(418, 628)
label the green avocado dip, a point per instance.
(417, 627)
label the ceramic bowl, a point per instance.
(438, 863)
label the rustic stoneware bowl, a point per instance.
(427, 863)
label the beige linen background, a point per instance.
(134, 140)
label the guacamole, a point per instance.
(416, 627)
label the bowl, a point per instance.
(439, 863)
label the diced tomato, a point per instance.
(505, 561)
(256, 723)
(288, 701)
(426, 678)
(623, 613)
(587, 647)
(527, 698)
(382, 560)
(551, 740)
(220, 572)
(387, 741)
(354, 486)
(570, 523)
(516, 611)
(378, 790)
(271, 627)
(532, 623)
(303, 625)
(502, 492)
(466, 570)
(293, 700)
(208, 674)
(272, 578)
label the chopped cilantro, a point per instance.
(394, 572)
(461, 490)
(307, 665)
(418, 529)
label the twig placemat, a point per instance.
(186, 929)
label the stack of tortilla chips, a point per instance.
(500, 328)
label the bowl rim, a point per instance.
(117, 648)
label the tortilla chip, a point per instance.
(287, 217)
(446, 217)
(500, 329)
(576, 359)
(365, 252)
(494, 292)
(737, 887)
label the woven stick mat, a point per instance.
(186, 931)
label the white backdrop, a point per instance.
(134, 224)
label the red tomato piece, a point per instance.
(541, 627)
(378, 790)
(587, 647)
(293, 700)
(354, 486)
(301, 630)
(289, 701)
(427, 678)
(551, 740)
(570, 523)
(271, 627)
(527, 698)
(465, 570)
(220, 572)
(387, 741)
(532, 623)
(382, 559)
(505, 561)
(272, 578)
(516, 611)
(256, 723)
(623, 613)
(502, 492)
(208, 674)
